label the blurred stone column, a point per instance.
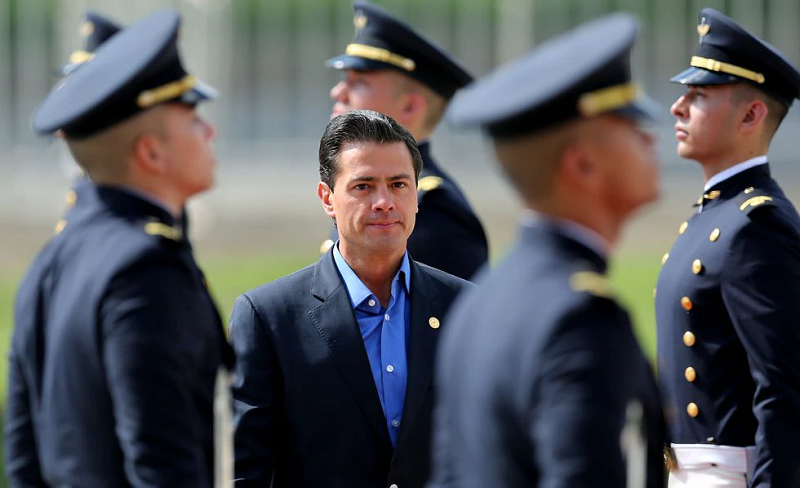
(514, 32)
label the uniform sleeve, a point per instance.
(578, 410)
(22, 460)
(446, 241)
(761, 291)
(151, 346)
(255, 393)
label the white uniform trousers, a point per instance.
(710, 466)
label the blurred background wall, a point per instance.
(266, 57)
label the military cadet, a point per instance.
(95, 30)
(335, 362)
(117, 343)
(727, 302)
(541, 382)
(390, 68)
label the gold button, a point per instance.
(749, 190)
(689, 338)
(433, 322)
(683, 227)
(686, 303)
(664, 258)
(60, 226)
(654, 292)
(70, 198)
(692, 410)
(690, 374)
(714, 235)
(697, 266)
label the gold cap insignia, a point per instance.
(433, 322)
(360, 21)
(703, 28)
(87, 29)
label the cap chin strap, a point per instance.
(608, 99)
(719, 66)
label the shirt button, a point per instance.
(390, 368)
(386, 317)
(395, 423)
(371, 302)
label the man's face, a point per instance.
(627, 163)
(706, 122)
(368, 90)
(374, 199)
(187, 144)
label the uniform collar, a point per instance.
(569, 229)
(132, 203)
(356, 288)
(734, 170)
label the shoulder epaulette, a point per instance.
(163, 230)
(751, 199)
(429, 183)
(592, 283)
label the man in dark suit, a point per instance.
(117, 344)
(392, 69)
(541, 382)
(335, 366)
(727, 306)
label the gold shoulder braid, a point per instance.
(163, 230)
(592, 283)
(429, 183)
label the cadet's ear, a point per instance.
(577, 167)
(326, 197)
(754, 115)
(413, 108)
(149, 153)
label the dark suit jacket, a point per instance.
(535, 374)
(307, 410)
(728, 307)
(114, 355)
(447, 234)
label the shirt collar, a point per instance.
(356, 288)
(734, 170)
(573, 230)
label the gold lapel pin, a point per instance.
(433, 322)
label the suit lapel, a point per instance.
(421, 346)
(336, 323)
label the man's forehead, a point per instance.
(370, 154)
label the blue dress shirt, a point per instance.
(384, 331)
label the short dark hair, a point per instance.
(361, 126)
(776, 110)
